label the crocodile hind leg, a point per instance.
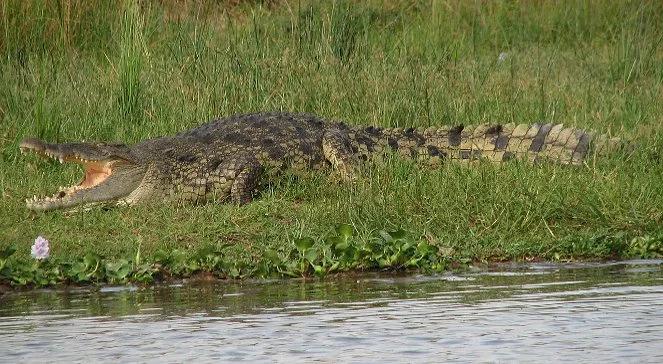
(338, 151)
(246, 183)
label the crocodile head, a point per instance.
(112, 173)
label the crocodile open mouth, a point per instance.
(95, 173)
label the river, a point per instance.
(608, 312)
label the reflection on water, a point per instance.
(536, 313)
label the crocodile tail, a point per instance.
(498, 143)
(530, 142)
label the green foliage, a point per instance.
(89, 269)
(340, 252)
(646, 247)
(5, 254)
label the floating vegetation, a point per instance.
(304, 257)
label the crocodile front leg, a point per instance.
(246, 182)
(338, 151)
(218, 178)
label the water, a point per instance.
(536, 313)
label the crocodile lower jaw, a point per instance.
(95, 172)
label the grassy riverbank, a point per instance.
(72, 71)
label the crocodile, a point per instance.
(226, 159)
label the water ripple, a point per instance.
(539, 313)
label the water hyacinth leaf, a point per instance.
(206, 252)
(210, 261)
(177, 256)
(385, 236)
(319, 270)
(342, 246)
(345, 231)
(190, 266)
(272, 256)
(119, 269)
(332, 241)
(292, 268)
(303, 244)
(374, 246)
(338, 243)
(144, 273)
(326, 253)
(406, 246)
(311, 255)
(7, 252)
(413, 262)
(91, 261)
(5, 271)
(398, 234)
(56, 271)
(349, 254)
(78, 267)
(424, 248)
(161, 256)
(178, 263)
(646, 247)
(80, 272)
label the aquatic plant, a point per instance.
(340, 251)
(40, 249)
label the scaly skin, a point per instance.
(227, 158)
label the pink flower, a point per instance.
(40, 249)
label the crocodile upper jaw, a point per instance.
(102, 180)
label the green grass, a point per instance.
(122, 71)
